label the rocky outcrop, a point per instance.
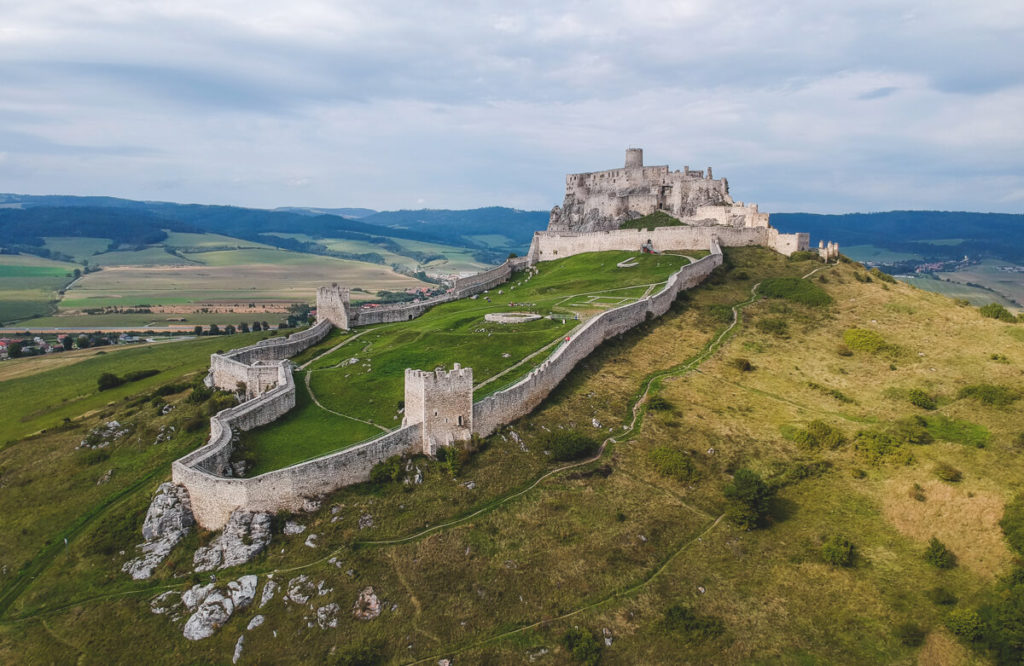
(367, 606)
(245, 536)
(168, 521)
(212, 607)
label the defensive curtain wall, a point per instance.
(439, 407)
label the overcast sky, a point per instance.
(812, 105)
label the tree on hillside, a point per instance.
(197, 331)
(256, 326)
(229, 329)
(214, 329)
(243, 327)
(82, 342)
(14, 350)
(67, 343)
(266, 326)
(749, 498)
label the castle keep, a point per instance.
(603, 200)
(439, 407)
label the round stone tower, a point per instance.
(634, 158)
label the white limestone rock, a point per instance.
(168, 520)
(238, 649)
(165, 603)
(327, 616)
(311, 541)
(367, 606)
(291, 527)
(269, 590)
(255, 622)
(243, 591)
(196, 595)
(244, 537)
(300, 589)
(211, 615)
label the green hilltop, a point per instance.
(799, 463)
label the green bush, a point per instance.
(941, 596)
(200, 394)
(777, 326)
(680, 619)
(878, 446)
(582, 646)
(817, 435)
(861, 277)
(140, 374)
(831, 392)
(958, 431)
(919, 398)
(861, 339)
(990, 395)
(569, 444)
(387, 471)
(660, 404)
(965, 623)
(95, 456)
(1013, 523)
(796, 290)
(108, 380)
(451, 459)
(673, 463)
(837, 551)
(883, 276)
(371, 654)
(749, 497)
(947, 472)
(996, 311)
(910, 634)
(805, 255)
(742, 364)
(721, 314)
(938, 555)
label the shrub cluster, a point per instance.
(796, 290)
(387, 471)
(1013, 523)
(777, 326)
(882, 275)
(938, 555)
(582, 646)
(996, 311)
(680, 619)
(673, 463)
(990, 395)
(109, 380)
(569, 444)
(805, 255)
(890, 444)
(817, 435)
(660, 404)
(742, 364)
(947, 472)
(837, 551)
(965, 623)
(749, 499)
(862, 339)
(919, 398)
(831, 392)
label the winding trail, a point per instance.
(316, 401)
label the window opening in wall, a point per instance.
(435, 412)
(460, 420)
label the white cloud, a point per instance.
(802, 105)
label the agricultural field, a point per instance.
(79, 248)
(28, 285)
(360, 386)
(955, 289)
(869, 444)
(993, 274)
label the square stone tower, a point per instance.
(443, 402)
(332, 304)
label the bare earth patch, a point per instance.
(969, 526)
(941, 650)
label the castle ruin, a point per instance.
(439, 407)
(603, 200)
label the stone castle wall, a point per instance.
(551, 245)
(215, 495)
(523, 397)
(244, 364)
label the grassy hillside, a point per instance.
(851, 400)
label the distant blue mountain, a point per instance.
(995, 235)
